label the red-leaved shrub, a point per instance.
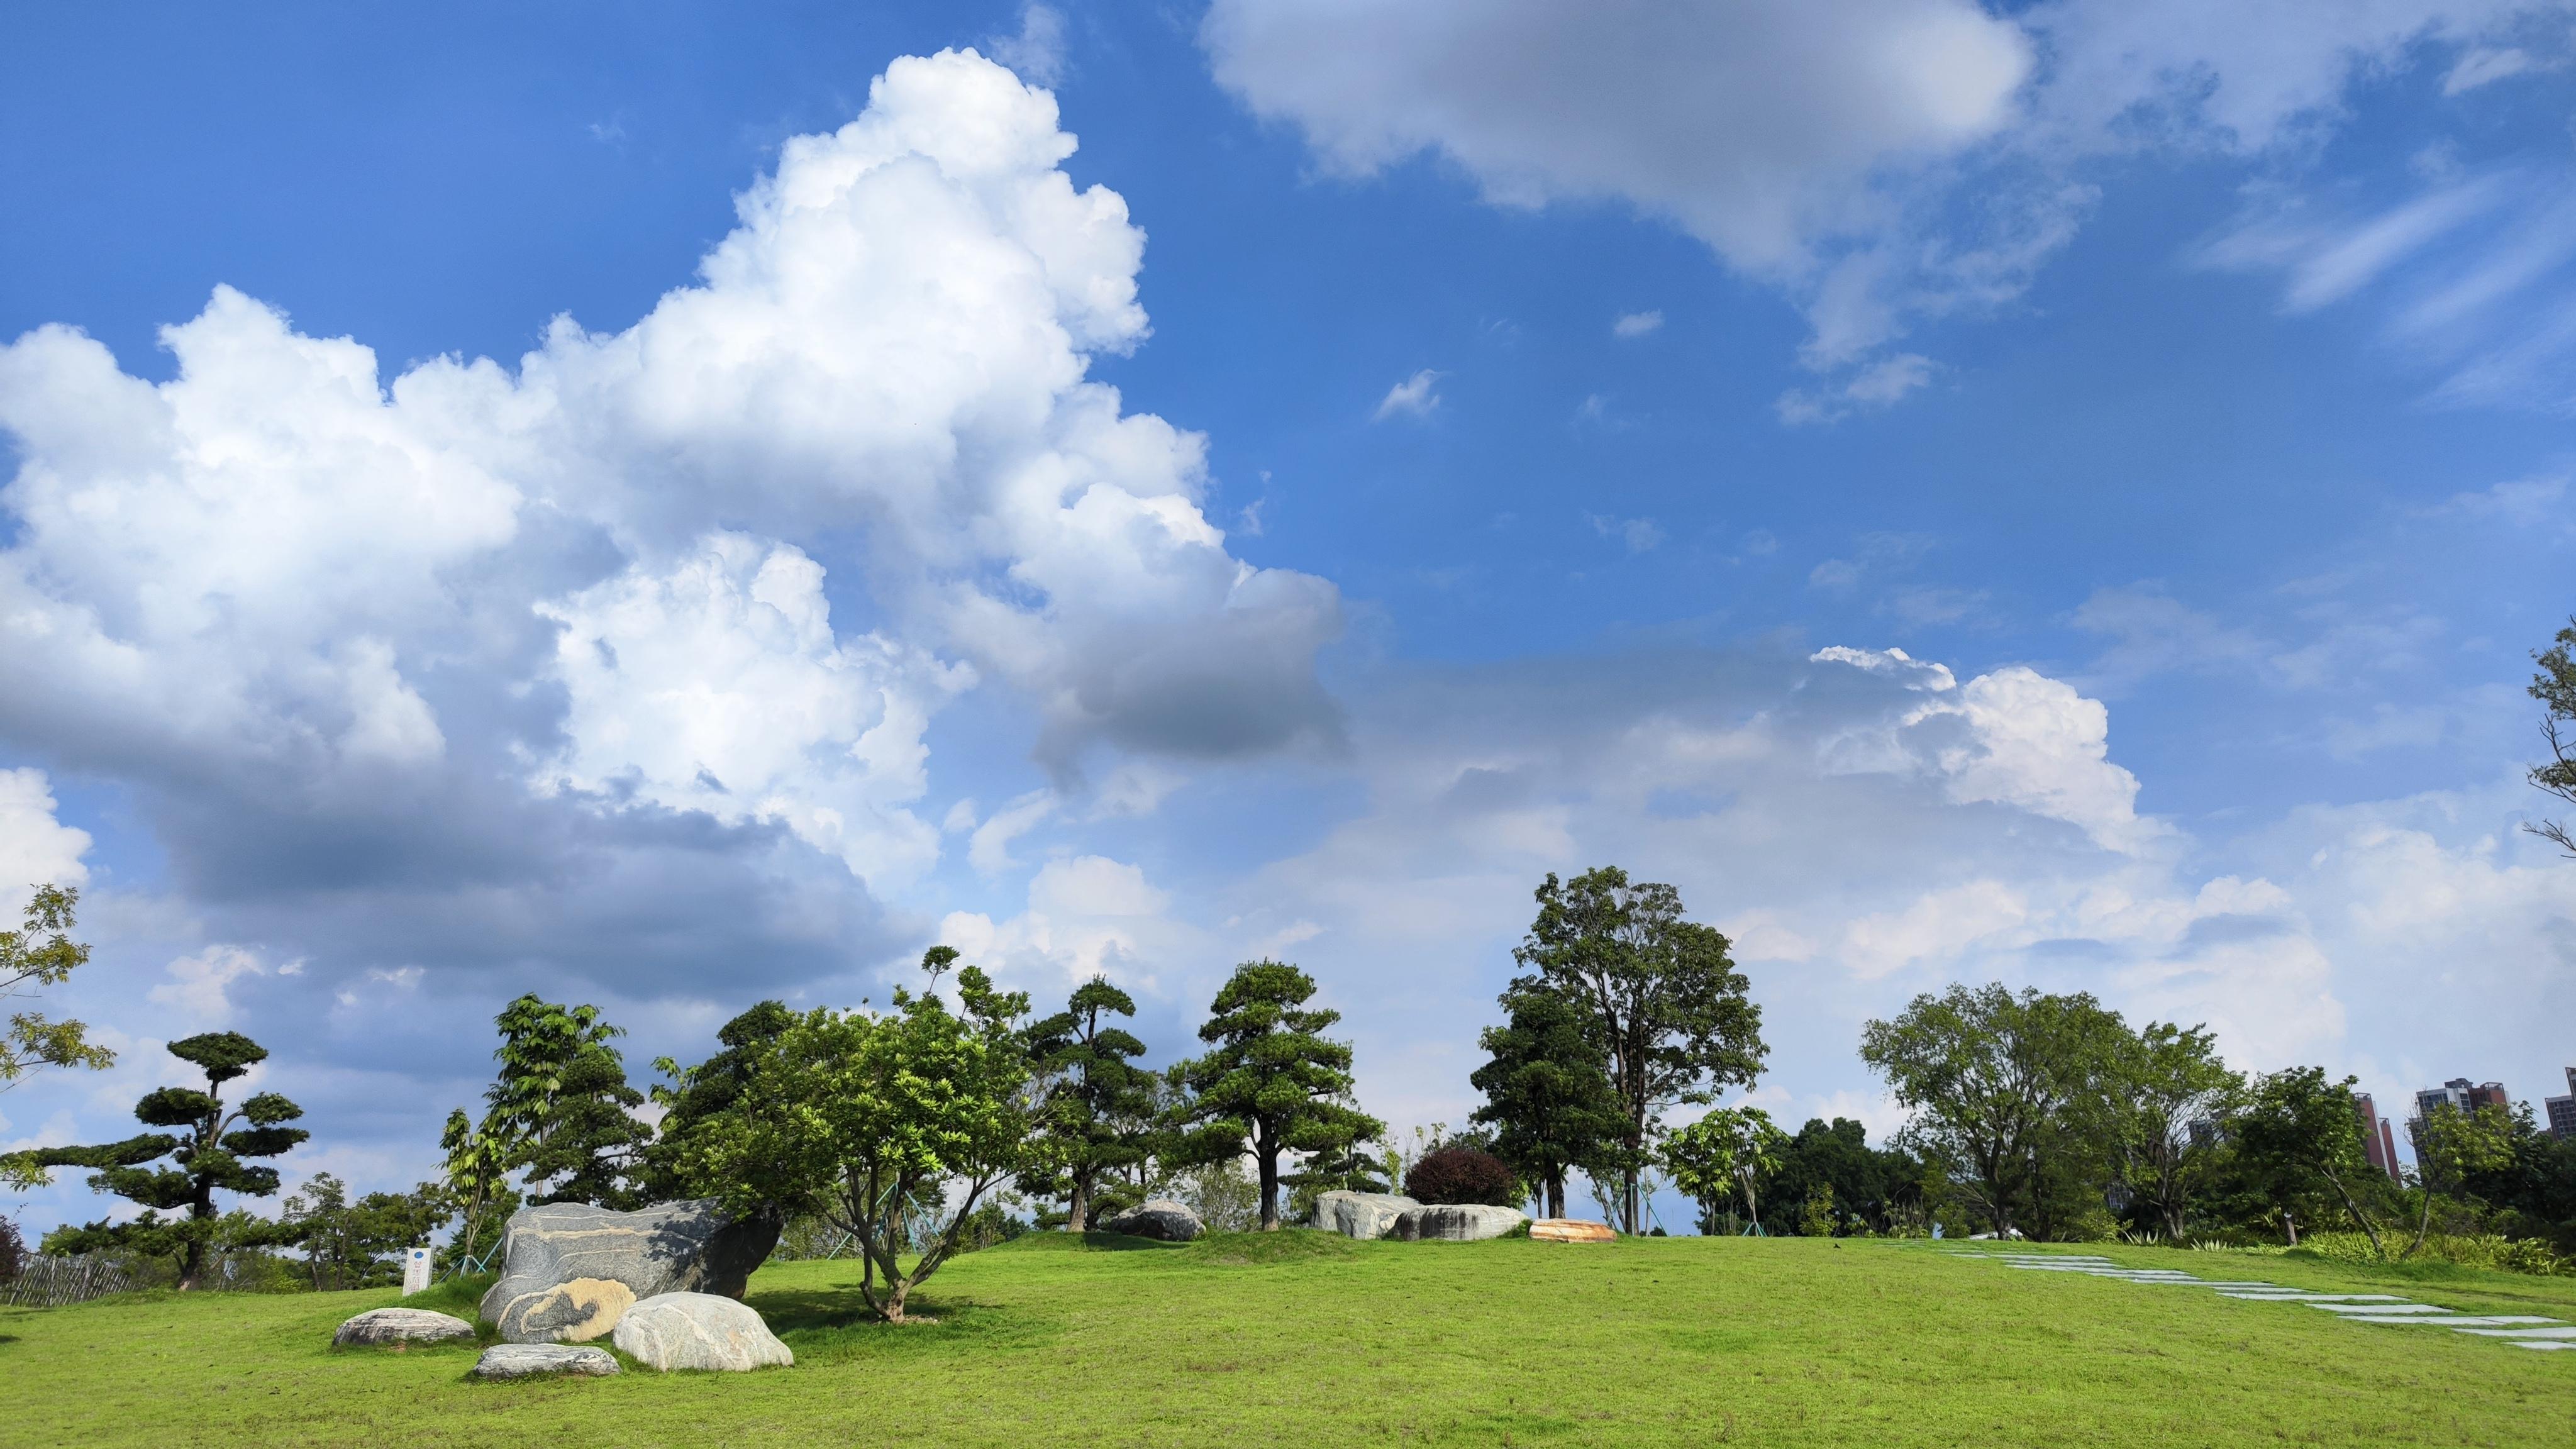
(1461, 1175)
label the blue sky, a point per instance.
(1533, 427)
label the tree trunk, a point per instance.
(1552, 1193)
(1269, 1155)
(2377, 1249)
(1628, 1209)
(1079, 1205)
(2423, 1227)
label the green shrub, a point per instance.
(2467, 1250)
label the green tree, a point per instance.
(2554, 685)
(208, 1157)
(558, 1113)
(2007, 1095)
(1094, 1094)
(2297, 1137)
(41, 952)
(2167, 1090)
(2451, 1147)
(360, 1244)
(1722, 1156)
(1272, 1084)
(1547, 1101)
(700, 1097)
(891, 1127)
(1668, 1007)
(1833, 1164)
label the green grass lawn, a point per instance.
(1306, 1339)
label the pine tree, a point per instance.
(1095, 1095)
(206, 1159)
(703, 1095)
(1547, 1100)
(1272, 1084)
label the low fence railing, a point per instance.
(45, 1282)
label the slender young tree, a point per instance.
(2452, 1147)
(1724, 1155)
(1093, 1090)
(1548, 1102)
(208, 1156)
(1272, 1084)
(41, 952)
(1668, 1007)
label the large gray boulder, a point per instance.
(1456, 1223)
(379, 1326)
(1161, 1217)
(532, 1360)
(1361, 1214)
(699, 1331)
(569, 1271)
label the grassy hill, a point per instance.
(1311, 1340)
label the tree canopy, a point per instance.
(869, 1119)
(1722, 1156)
(40, 953)
(2008, 1097)
(2554, 685)
(1548, 1102)
(1668, 1008)
(1272, 1083)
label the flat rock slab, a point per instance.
(1456, 1223)
(378, 1326)
(568, 1270)
(1361, 1215)
(1571, 1230)
(1160, 1218)
(535, 1360)
(699, 1331)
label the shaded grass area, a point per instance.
(1305, 1339)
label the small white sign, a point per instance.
(416, 1271)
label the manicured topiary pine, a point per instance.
(1094, 1097)
(209, 1156)
(1272, 1084)
(1464, 1175)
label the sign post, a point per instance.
(415, 1271)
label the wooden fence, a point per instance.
(44, 1282)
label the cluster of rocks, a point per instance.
(1369, 1215)
(664, 1284)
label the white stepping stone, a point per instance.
(2466, 1320)
(2392, 1307)
(2562, 1331)
(2293, 1295)
(2545, 1343)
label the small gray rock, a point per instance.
(1361, 1214)
(1457, 1223)
(400, 1325)
(568, 1270)
(699, 1331)
(1162, 1218)
(532, 1360)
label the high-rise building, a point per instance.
(2562, 1110)
(2459, 1093)
(2377, 1142)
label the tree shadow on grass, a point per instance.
(835, 1325)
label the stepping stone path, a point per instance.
(2519, 1329)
